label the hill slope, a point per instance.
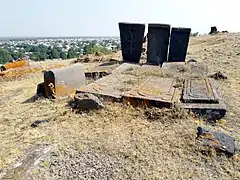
(119, 141)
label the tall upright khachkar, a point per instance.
(178, 44)
(159, 38)
(158, 41)
(131, 35)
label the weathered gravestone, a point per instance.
(178, 44)
(64, 81)
(158, 41)
(201, 96)
(199, 90)
(132, 36)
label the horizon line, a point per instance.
(54, 36)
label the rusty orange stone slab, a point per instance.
(16, 64)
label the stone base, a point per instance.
(210, 112)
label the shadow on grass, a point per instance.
(31, 99)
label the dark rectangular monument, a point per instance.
(158, 41)
(131, 35)
(178, 44)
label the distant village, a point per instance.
(38, 49)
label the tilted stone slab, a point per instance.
(109, 87)
(216, 139)
(156, 90)
(64, 81)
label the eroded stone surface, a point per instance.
(26, 163)
(216, 139)
(158, 41)
(200, 90)
(131, 36)
(86, 102)
(178, 44)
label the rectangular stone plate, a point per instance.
(199, 90)
(110, 86)
(155, 88)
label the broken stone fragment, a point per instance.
(191, 61)
(218, 75)
(40, 90)
(86, 101)
(217, 140)
(37, 123)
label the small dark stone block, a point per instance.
(37, 123)
(218, 75)
(211, 115)
(213, 30)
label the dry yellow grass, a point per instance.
(163, 149)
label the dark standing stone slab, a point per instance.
(158, 41)
(213, 30)
(132, 36)
(179, 44)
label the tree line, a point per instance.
(42, 52)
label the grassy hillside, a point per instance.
(119, 141)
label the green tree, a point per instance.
(5, 56)
(17, 55)
(54, 54)
(92, 49)
(71, 53)
(63, 55)
(36, 56)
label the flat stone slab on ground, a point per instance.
(107, 67)
(199, 90)
(110, 86)
(121, 84)
(124, 67)
(154, 88)
(195, 69)
(26, 163)
(201, 96)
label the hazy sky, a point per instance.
(101, 17)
